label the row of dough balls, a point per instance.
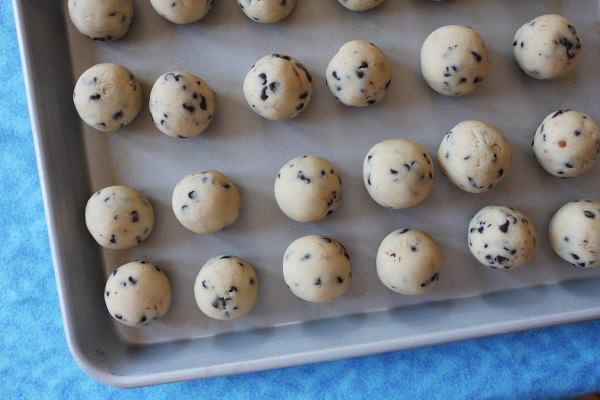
(107, 20)
(397, 173)
(317, 268)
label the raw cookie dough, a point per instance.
(267, 11)
(182, 11)
(308, 188)
(501, 237)
(226, 288)
(317, 268)
(102, 20)
(107, 97)
(474, 156)
(409, 261)
(181, 104)
(398, 173)
(360, 5)
(547, 47)
(567, 143)
(137, 294)
(359, 74)
(575, 233)
(206, 202)
(278, 87)
(119, 217)
(454, 60)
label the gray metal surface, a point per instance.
(469, 301)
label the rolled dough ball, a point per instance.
(119, 217)
(278, 87)
(398, 173)
(360, 5)
(226, 288)
(308, 188)
(181, 104)
(137, 294)
(359, 74)
(206, 202)
(182, 11)
(501, 237)
(107, 97)
(567, 143)
(317, 268)
(409, 261)
(547, 47)
(102, 20)
(474, 156)
(454, 60)
(575, 233)
(267, 11)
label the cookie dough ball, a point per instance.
(317, 268)
(474, 156)
(398, 173)
(575, 233)
(278, 87)
(137, 294)
(102, 20)
(547, 47)
(567, 143)
(267, 11)
(409, 261)
(182, 11)
(454, 60)
(360, 5)
(308, 188)
(501, 237)
(206, 202)
(107, 97)
(359, 74)
(226, 288)
(119, 217)
(181, 104)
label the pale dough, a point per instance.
(226, 288)
(102, 20)
(317, 268)
(182, 11)
(360, 5)
(137, 294)
(119, 217)
(267, 11)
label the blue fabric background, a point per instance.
(555, 363)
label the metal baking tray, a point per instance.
(469, 301)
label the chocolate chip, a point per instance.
(189, 107)
(264, 78)
(113, 239)
(134, 216)
(95, 97)
(589, 214)
(306, 257)
(263, 94)
(139, 239)
(192, 194)
(334, 74)
(477, 56)
(394, 172)
(318, 281)
(327, 240)
(118, 115)
(360, 74)
(504, 227)
(575, 256)
(300, 106)
(302, 177)
(133, 281)
(233, 289)
(118, 316)
(340, 279)
(403, 231)
(203, 103)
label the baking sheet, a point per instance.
(470, 300)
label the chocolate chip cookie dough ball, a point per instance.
(360, 5)
(206, 202)
(409, 261)
(102, 20)
(454, 60)
(359, 74)
(119, 217)
(547, 47)
(182, 11)
(278, 87)
(308, 188)
(501, 237)
(398, 173)
(567, 143)
(137, 294)
(107, 97)
(267, 11)
(474, 156)
(317, 268)
(575, 233)
(181, 104)
(226, 288)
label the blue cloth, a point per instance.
(554, 363)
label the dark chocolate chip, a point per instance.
(504, 227)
